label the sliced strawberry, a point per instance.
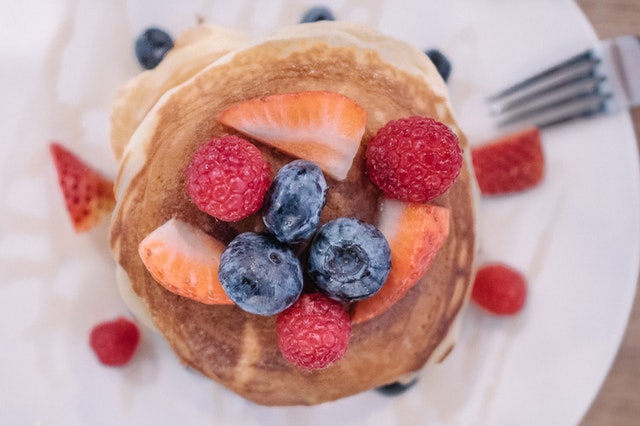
(512, 163)
(323, 127)
(184, 260)
(415, 233)
(87, 194)
(499, 289)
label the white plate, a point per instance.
(575, 237)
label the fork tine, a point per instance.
(603, 79)
(599, 108)
(560, 93)
(580, 106)
(584, 82)
(586, 58)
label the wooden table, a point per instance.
(618, 402)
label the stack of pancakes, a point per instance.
(163, 115)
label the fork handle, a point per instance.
(626, 60)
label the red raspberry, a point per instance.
(227, 178)
(314, 332)
(414, 159)
(115, 342)
(499, 289)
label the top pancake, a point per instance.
(388, 78)
(193, 50)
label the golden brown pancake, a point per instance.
(390, 80)
(193, 50)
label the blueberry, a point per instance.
(317, 13)
(443, 65)
(349, 259)
(260, 274)
(397, 388)
(151, 46)
(292, 205)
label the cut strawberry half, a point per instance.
(185, 261)
(87, 194)
(512, 163)
(415, 233)
(323, 127)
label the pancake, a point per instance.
(388, 78)
(193, 50)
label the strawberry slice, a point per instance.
(415, 233)
(323, 127)
(512, 163)
(185, 261)
(87, 194)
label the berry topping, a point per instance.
(292, 206)
(260, 274)
(415, 233)
(499, 289)
(349, 259)
(151, 47)
(441, 63)
(414, 159)
(317, 13)
(115, 342)
(323, 127)
(227, 178)
(397, 388)
(314, 332)
(87, 194)
(184, 260)
(512, 163)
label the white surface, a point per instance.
(575, 237)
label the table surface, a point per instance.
(618, 402)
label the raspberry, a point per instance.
(499, 289)
(115, 342)
(414, 159)
(227, 178)
(314, 332)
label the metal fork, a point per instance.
(603, 79)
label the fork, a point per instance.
(603, 79)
